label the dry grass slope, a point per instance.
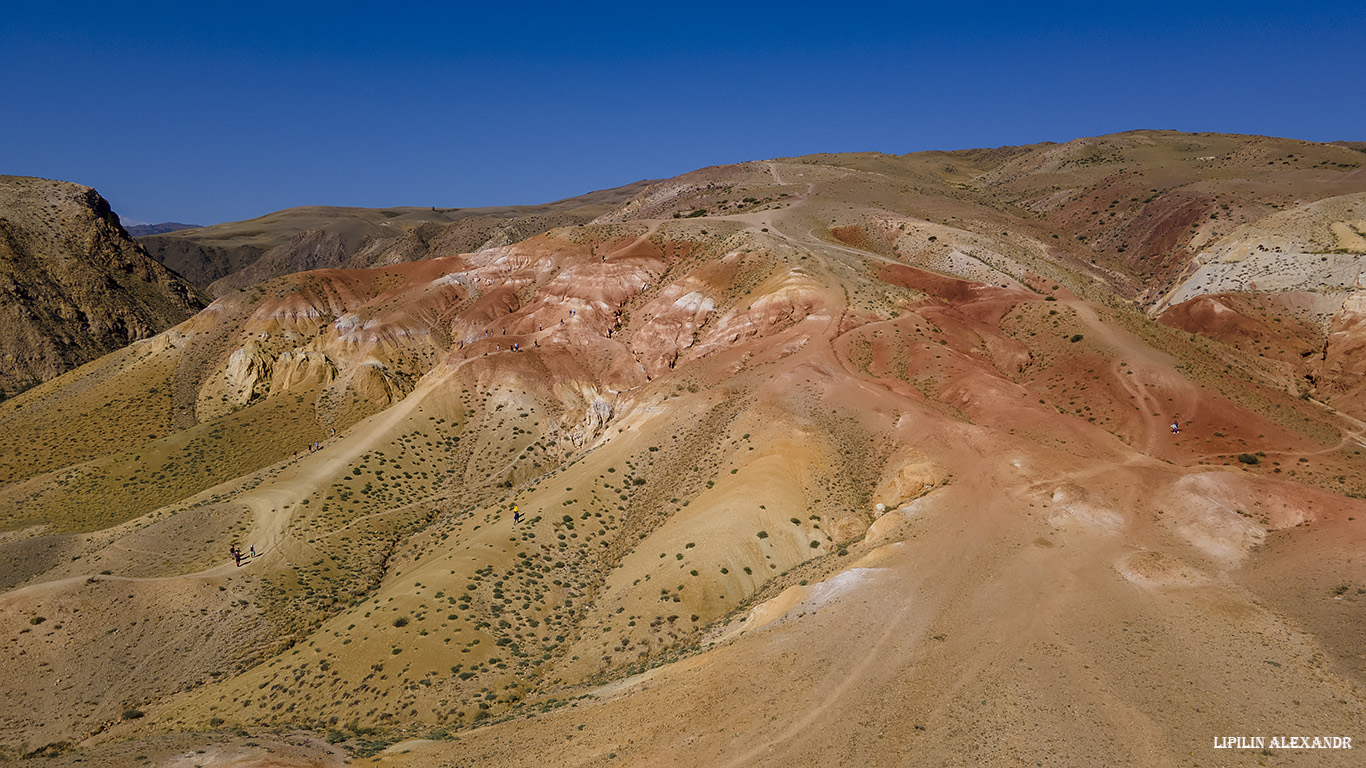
(869, 461)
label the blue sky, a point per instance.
(214, 112)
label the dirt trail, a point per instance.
(895, 633)
(271, 503)
(651, 226)
(32, 591)
(1137, 364)
(1348, 438)
(1146, 404)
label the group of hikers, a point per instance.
(516, 346)
(317, 445)
(237, 553)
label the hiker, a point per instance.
(516, 517)
(252, 550)
(1176, 427)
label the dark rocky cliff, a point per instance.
(73, 284)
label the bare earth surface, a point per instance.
(837, 460)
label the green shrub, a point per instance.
(1248, 458)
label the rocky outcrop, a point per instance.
(301, 368)
(1338, 373)
(73, 284)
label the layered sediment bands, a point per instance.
(842, 459)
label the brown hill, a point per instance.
(227, 257)
(858, 465)
(73, 285)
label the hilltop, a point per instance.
(227, 257)
(837, 459)
(73, 284)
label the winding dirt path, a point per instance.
(271, 503)
(1137, 364)
(857, 674)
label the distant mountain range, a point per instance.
(227, 257)
(143, 230)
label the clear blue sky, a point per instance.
(209, 112)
